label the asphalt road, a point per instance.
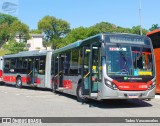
(31, 102)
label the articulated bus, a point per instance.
(155, 37)
(28, 68)
(104, 66)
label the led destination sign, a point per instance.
(127, 39)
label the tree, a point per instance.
(136, 30)
(20, 29)
(5, 23)
(35, 31)
(54, 29)
(154, 26)
(108, 27)
(104, 27)
(79, 33)
(10, 27)
(14, 47)
(5, 18)
(123, 30)
(4, 33)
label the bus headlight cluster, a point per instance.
(110, 84)
(152, 86)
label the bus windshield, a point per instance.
(125, 60)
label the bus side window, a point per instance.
(67, 62)
(25, 63)
(80, 61)
(74, 62)
(19, 63)
(86, 61)
(13, 63)
(6, 65)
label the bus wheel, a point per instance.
(19, 82)
(80, 97)
(149, 99)
(54, 87)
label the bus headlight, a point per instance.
(151, 86)
(110, 84)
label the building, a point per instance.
(20, 38)
(35, 42)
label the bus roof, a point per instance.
(153, 32)
(28, 53)
(70, 46)
(75, 44)
(97, 38)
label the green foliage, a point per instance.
(122, 30)
(4, 33)
(104, 27)
(108, 27)
(10, 27)
(54, 29)
(79, 33)
(57, 42)
(5, 18)
(82, 33)
(154, 26)
(3, 52)
(14, 47)
(5, 23)
(136, 30)
(20, 29)
(35, 31)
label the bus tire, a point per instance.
(149, 99)
(80, 97)
(18, 82)
(54, 87)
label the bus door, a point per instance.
(32, 70)
(90, 70)
(61, 69)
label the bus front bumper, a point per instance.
(117, 94)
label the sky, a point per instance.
(86, 13)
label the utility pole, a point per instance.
(140, 17)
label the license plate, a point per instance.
(133, 95)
